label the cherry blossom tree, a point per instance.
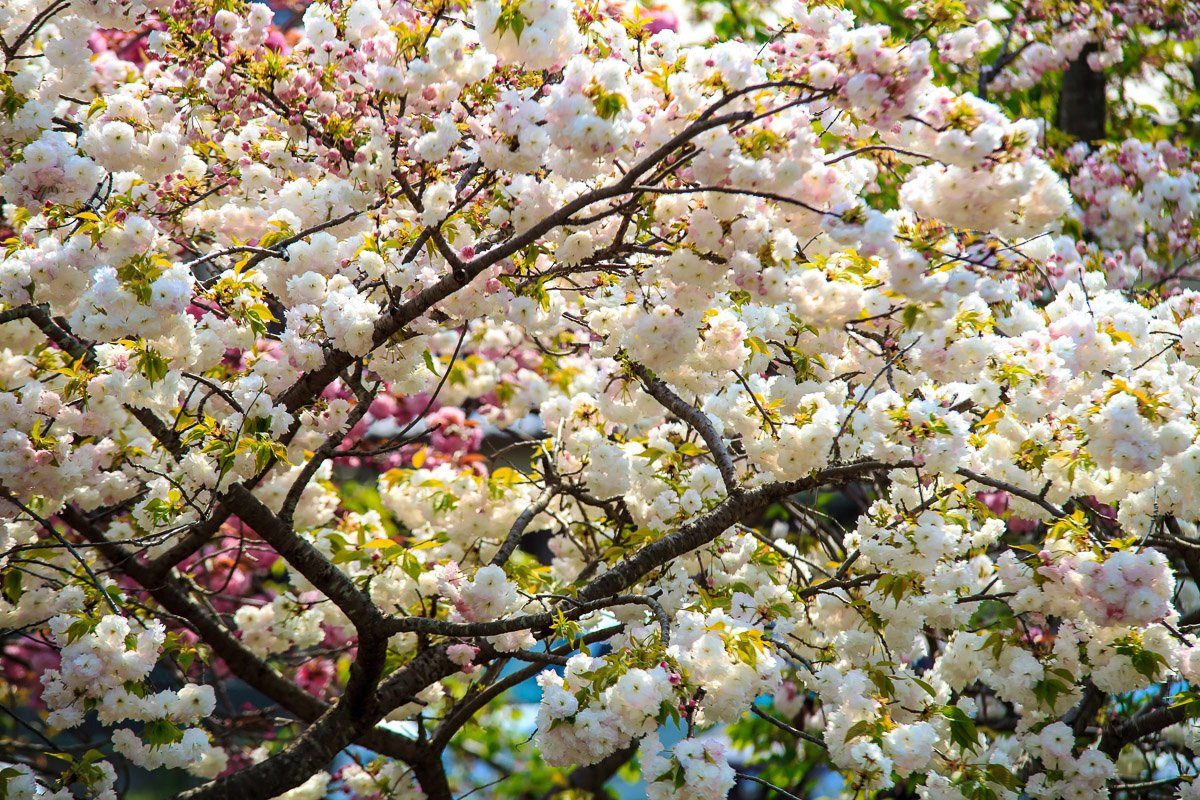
(855, 403)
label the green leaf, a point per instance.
(151, 365)
(992, 613)
(861, 728)
(6, 775)
(12, 585)
(608, 104)
(511, 18)
(1001, 775)
(962, 728)
(757, 345)
(160, 732)
(79, 628)
(1048, 690)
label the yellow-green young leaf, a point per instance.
(377, 544)
(151, 365)
(861, 728)
(757, 345)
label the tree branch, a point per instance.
(697, 419)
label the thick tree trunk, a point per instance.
(1082, 105)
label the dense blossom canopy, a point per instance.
(268, 301)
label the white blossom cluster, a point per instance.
(699, 768)
(99, 665)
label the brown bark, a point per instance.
(1082, 102)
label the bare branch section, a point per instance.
(711, 525)
(509, 545)
(694, 417)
